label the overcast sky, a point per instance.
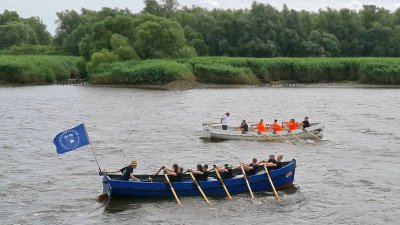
(46, 9)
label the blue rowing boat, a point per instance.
(158, 188)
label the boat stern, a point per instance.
(104, 192)
(206, 131)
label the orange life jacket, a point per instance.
(277, 127)
(261, 128)
(292, 125)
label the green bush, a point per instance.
(38, 69)
(155, 72)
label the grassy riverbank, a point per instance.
(206, 70)
(39, 69)
(248, 71)
(303, 70)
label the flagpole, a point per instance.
(94, 154)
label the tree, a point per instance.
(8, 16)
(168, 7)
(16, 33)
(152, 7)
(120, 46)
(159, 38)
(43, 36)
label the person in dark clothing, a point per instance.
(306, 123)
(127, 171)
(198, 173)
(270, 160)
(250, 169)
(275, 165)
(175, 174)
(205, 172)
(244, 127)
(226, 172)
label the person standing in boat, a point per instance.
(250, 169)
(260, 127)
(244, 127)
(305, 123)
(225, 120)
(127, 171)
(175, 174)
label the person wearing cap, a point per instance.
(127, 171)
(306, 123)
(225, 120)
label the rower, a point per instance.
(260, 126)
(305, 123)
(226, 171)
(198, 173)
(175, 174)
(275, 126)
(291, 125)
(244, 127)
(251, 168)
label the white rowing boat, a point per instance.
(214, 131)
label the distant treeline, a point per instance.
(164, 30)
(161, 43)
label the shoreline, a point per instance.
(179, 85)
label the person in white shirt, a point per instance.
(225, 120)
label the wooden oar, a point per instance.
(155, 175)
(172, 189)
(272, 184)
(295, 136)
(319, 139)
(298, 139)
(266, 137)
(287, 139)
(198, 187)
(222, 182)
(247, 181)
(158, 172)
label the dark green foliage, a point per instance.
(27, 49)
(135, 72)
(38, 69)
(18, 31)
(309, 70)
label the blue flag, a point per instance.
(71, 139)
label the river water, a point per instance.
(351, 177)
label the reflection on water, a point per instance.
(348, 178)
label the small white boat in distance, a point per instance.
(214, 132)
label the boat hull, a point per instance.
(214, 132)
(282, 177)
